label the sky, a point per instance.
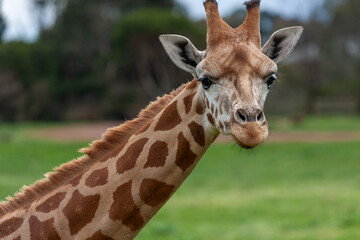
(300, 9)
(22, 20)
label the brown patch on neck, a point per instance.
(157, 155)
(80, 211)
(124, 208)
(9, 226)
(184, 156)
(154, 192)
(169, 119)
(200, 108)
(70, 172)
(51, 203)
(188, 102)
(42, 230)
(198, 133)
(97, 178)
(128, 160)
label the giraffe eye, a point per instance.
(270, 81)
(206, 83)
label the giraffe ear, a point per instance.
(182, 52)
(282, 43)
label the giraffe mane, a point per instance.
(109, 141)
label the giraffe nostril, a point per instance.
(260, 116)
(242, 117)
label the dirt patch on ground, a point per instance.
(74, 132)
(93, 131)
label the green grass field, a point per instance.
(316, 123)
(277, 191)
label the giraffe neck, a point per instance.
(118, 195)
(155, 162)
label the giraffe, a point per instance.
(124, 178)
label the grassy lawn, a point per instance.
(277, 191)
(24, 161)
(316, 123)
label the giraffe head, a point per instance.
(235, 71)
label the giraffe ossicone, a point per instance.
(127, 176)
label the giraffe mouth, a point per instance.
(249, 135)
(241, 144)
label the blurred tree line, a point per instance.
(323, 73)
(103, 60)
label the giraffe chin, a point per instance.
(250, 134)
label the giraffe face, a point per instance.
(235, 72)
(236, 79)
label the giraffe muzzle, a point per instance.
(249, 128)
